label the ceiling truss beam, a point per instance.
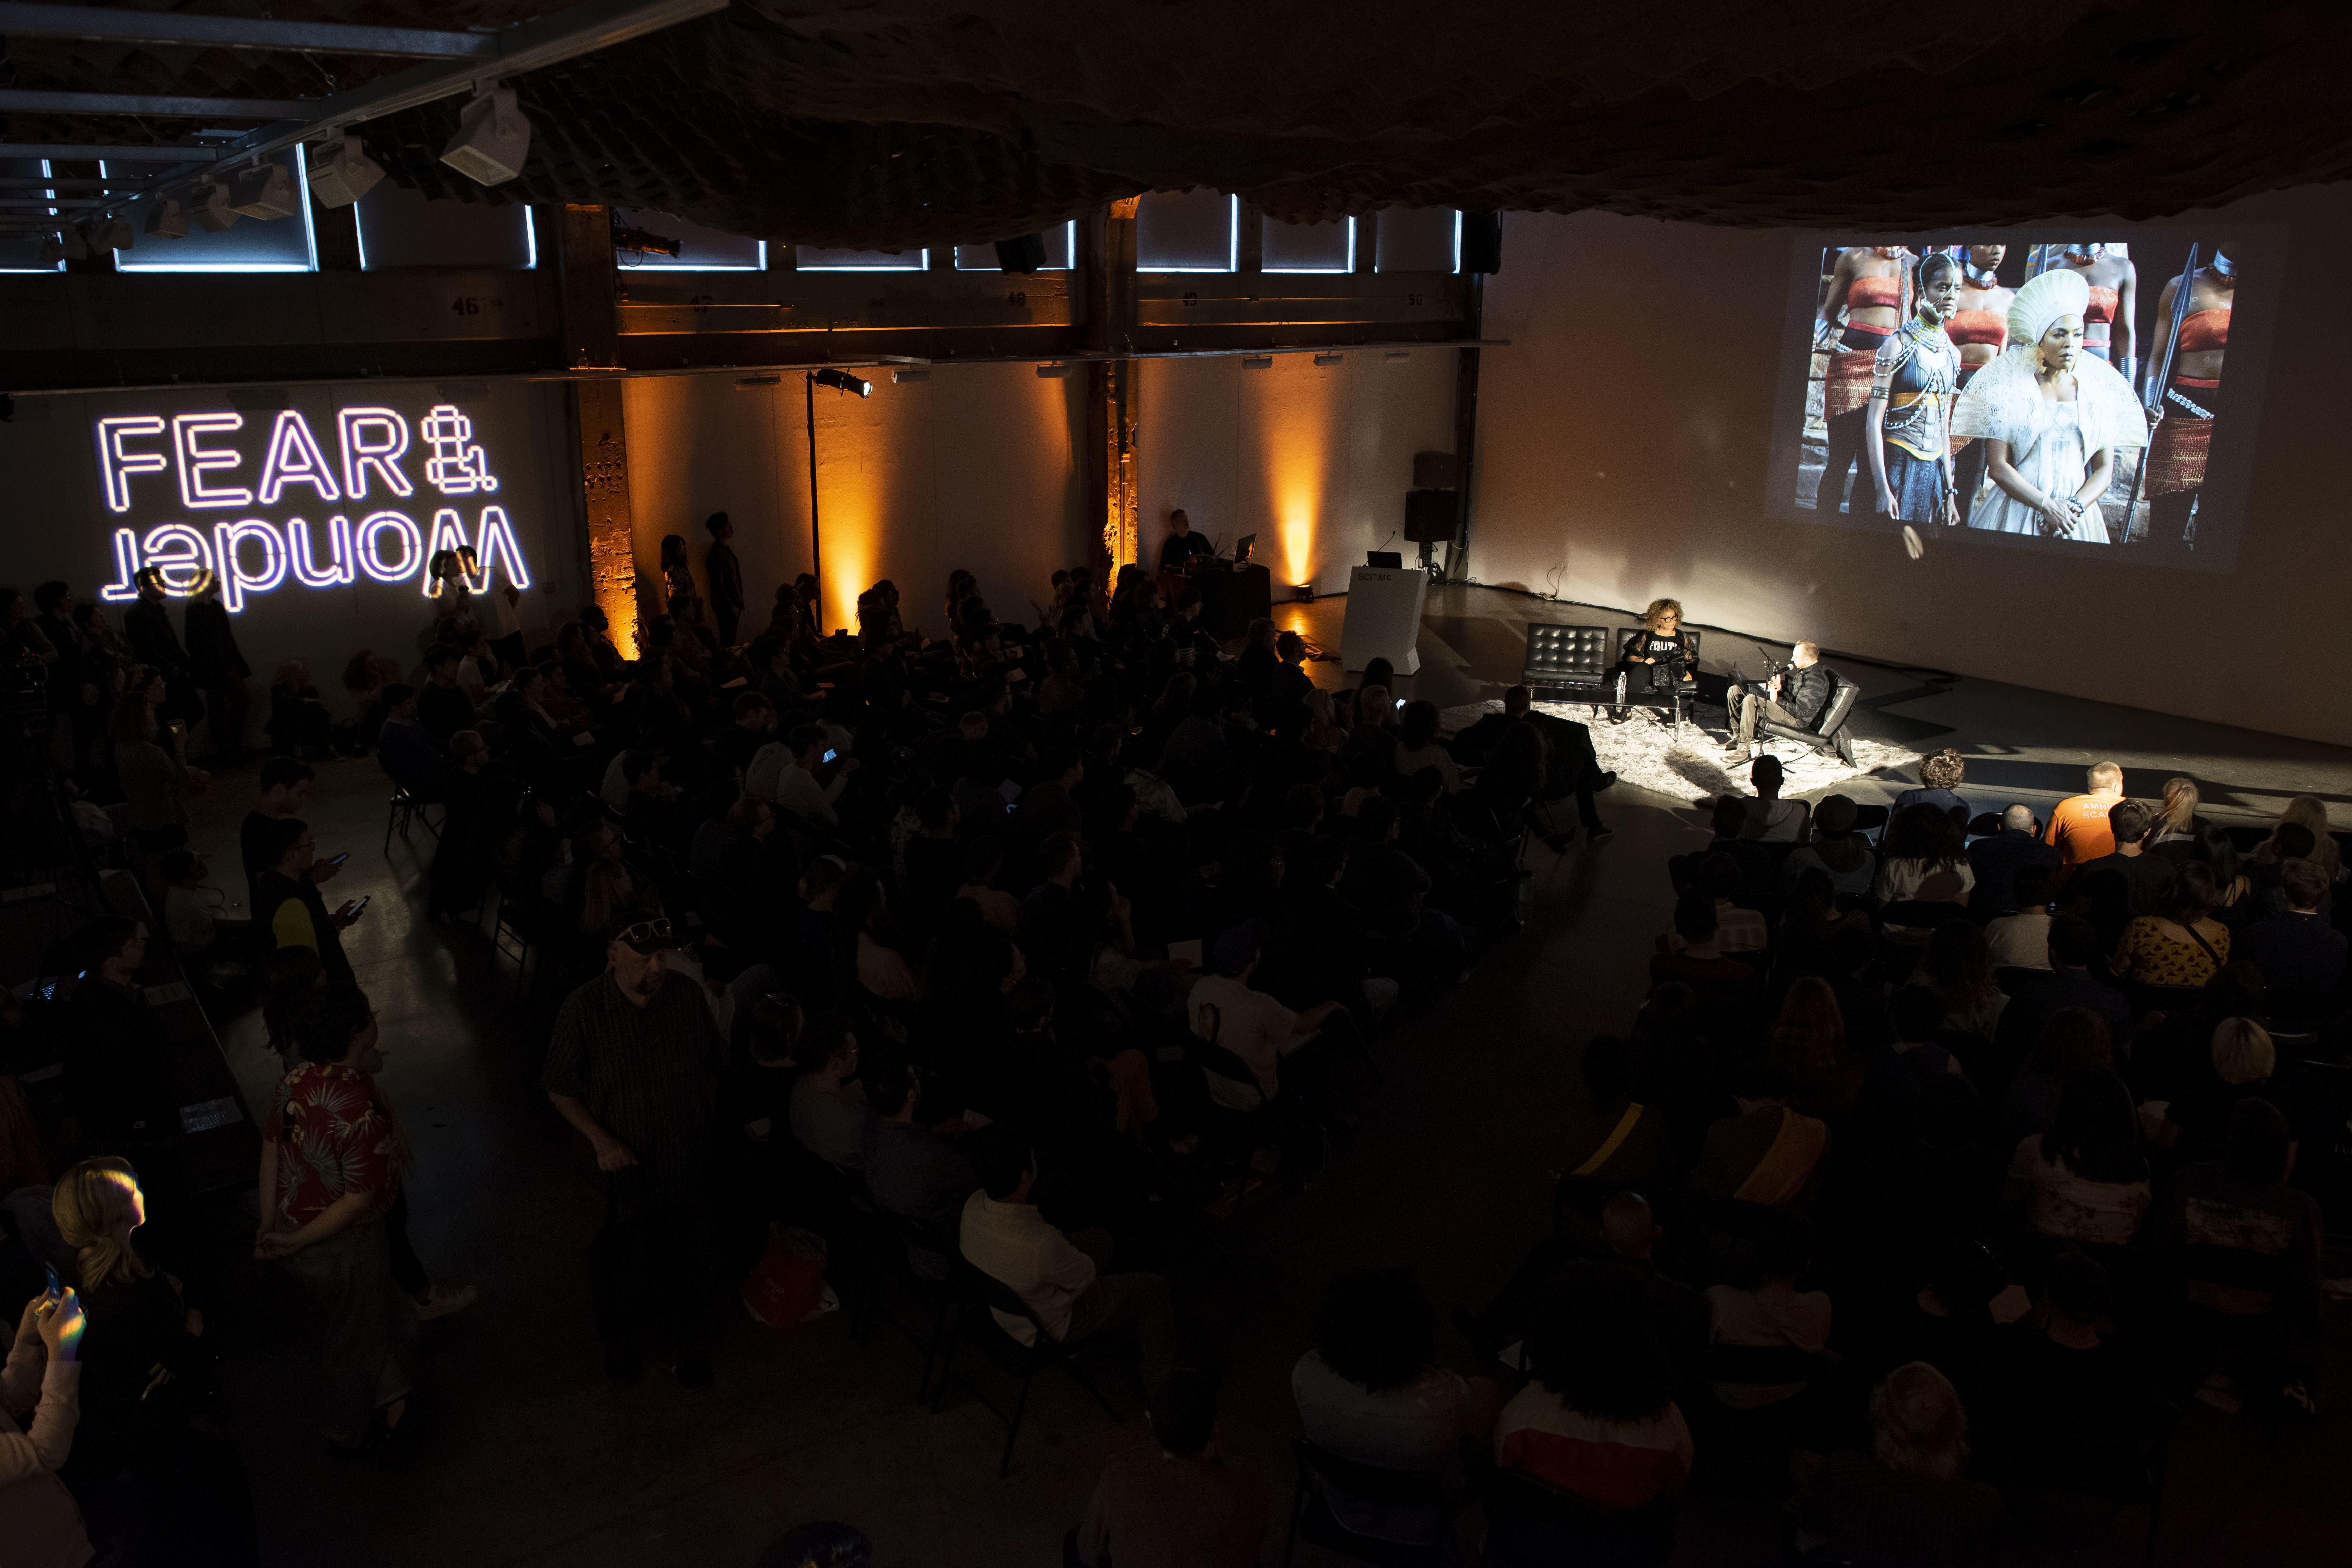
(181, 28)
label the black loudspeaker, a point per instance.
(1482, 242)
(1429, 515)
(1025, 253)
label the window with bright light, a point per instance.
(699, 249)
(1061, 252)
(1309, 246)
(1187, 231)
(809, 258)
(23, 197)
(249, 245)
(400, 228)
(1419, 239)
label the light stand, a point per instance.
(841, 381)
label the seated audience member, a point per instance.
(412, 758)
(2180, 945)
(2241, 1061)
(1723, 987)
(1058, 1277)
(1225, 1010)
(2174, 827)
(1598, 1420)
(2288, 841)
(1418, 746)
(829, 1113)
(1941, 1181)
(1173, 1502)
(2070, 982)
(1678, 1068)
(1372, 1392)
(2297, 951)
(1922, 865)
(785, 773)
(909, 1168)
(2127, 883)
(441, 705)
(193, 912)
(983, 858)
(2086, 1179)
(2078, 825)
(1773, 1313)
(1907, 1501)
(1767, 1155)
(1736, 929)
(1998, 857)
(2058, 1375)
(41, 1388)
(1939, 777)
(2242, 1202)
(1629, 1146)
(2073, 1041)
(1807, 1043)
(2022, 940)
(1900, 1070)
(1837, 850)
(1771, 818)
(1959, 969)
(823, 1543)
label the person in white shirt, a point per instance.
(1771, 818)
(1251, 1025)
(2022, 940)
(1057, 1277)
(784, 772)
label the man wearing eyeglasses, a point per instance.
(633, 1068)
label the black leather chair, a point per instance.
(1571, 661)
(1826, 734)
(1631, 683)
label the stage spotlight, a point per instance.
(1328, 359)
(493, 138)
(1395, 354)
(264, 194)
(1052, 371)
(898, 377)
(343, 173)
(168, 220)
(210, 204)
(841, 381)
(756, 382)
(1257, 361)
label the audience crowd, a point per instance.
(1933, 1162)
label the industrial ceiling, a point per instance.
(886, 124)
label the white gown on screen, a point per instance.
(2049, 444)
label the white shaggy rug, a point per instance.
(1688, 764)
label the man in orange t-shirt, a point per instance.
(2078, 825)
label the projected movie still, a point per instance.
(2056, 395)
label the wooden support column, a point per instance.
(591, 341)
(1108, 239)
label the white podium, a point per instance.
(1383, 618)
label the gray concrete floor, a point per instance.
(527, 1454)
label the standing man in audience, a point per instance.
(2078, 825)
(443, 707)
(633, 1068)
(288, 910)
(1794, 698)
(147, 627)
(2127, 881)
(725, 575)
(2297, 951)
(285, 786)
(1997, 859)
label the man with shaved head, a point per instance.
(1998, 859)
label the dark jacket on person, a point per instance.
(271, 890)
(1805, 692)
(2295, 952)
(1997, 860)
(213, 654)
(147, 627)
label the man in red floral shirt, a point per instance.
(330, 1162)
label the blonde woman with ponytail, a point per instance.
(144, 1335)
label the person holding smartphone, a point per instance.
(39, 1518)
(288, 909)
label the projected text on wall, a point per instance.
(359, 510)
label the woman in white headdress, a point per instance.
(2052, 417)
